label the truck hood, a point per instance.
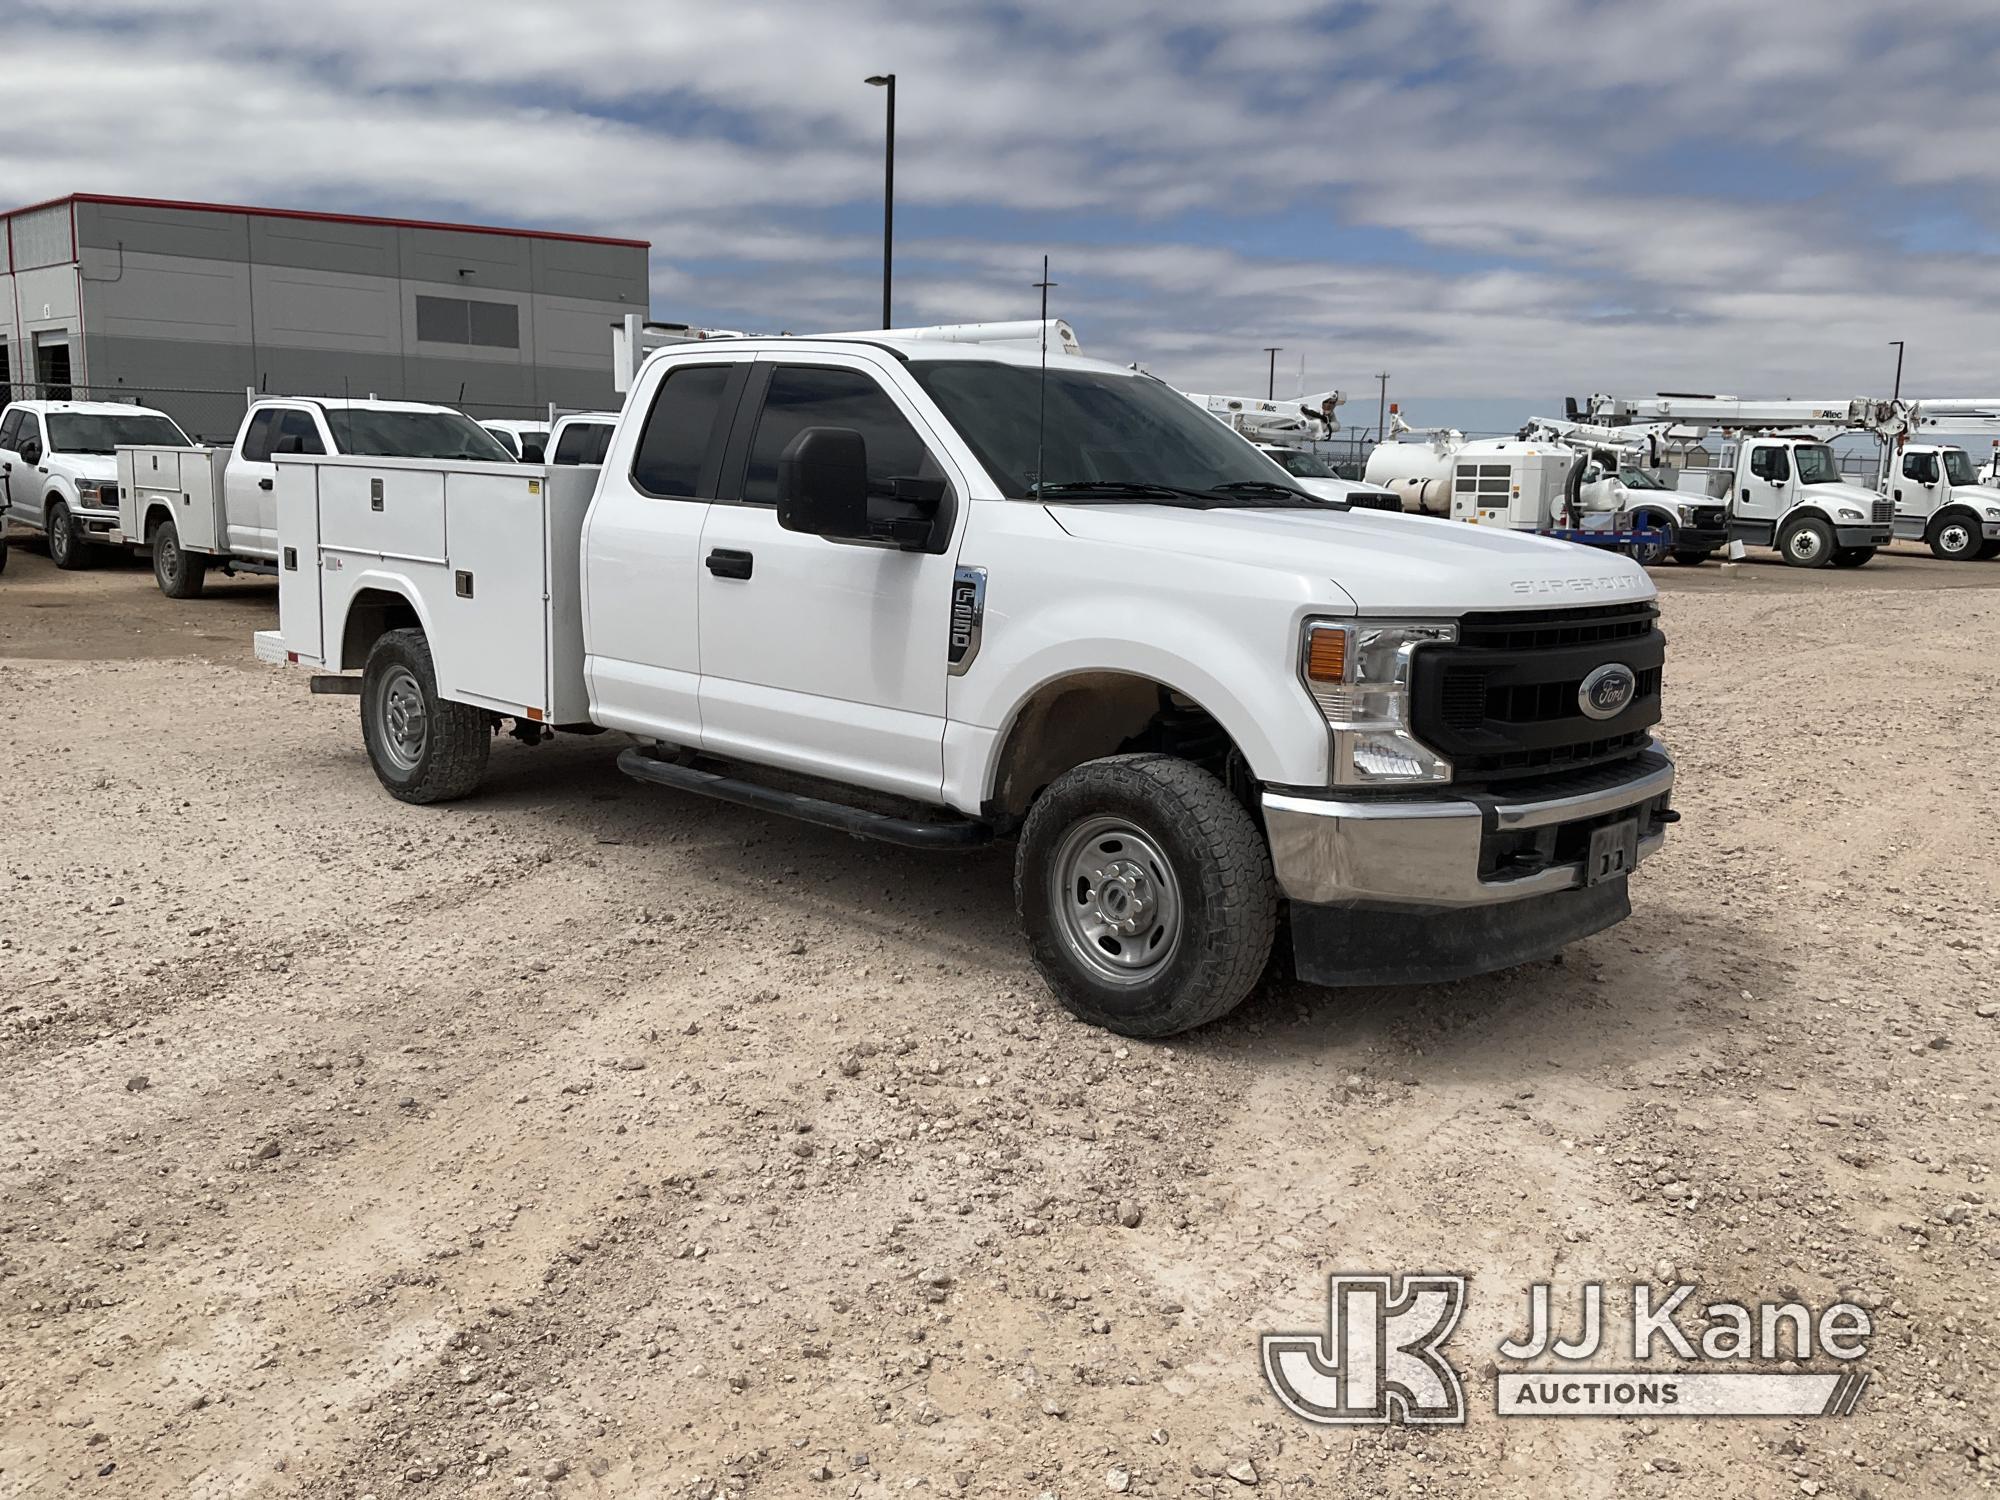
(1386, 561)
(102, 466)
(1839, 494)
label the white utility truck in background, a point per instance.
(195, 508)
(1268, 421)
(941, 594)
(580, 437)
(1315, 478)
(59, 470)
(1783, 484)
(527, 441)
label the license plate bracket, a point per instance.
(1614, 852)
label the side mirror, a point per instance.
(31, 451)
(823, 483)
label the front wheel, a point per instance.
(179, 574)
(424, 748)
(1988, 550)
(1852, 557)
(67, 548)
(1807, 543)
(1146, 894)
(1693, 557)
(3, 546)
(1955, 539)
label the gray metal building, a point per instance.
(185, 305)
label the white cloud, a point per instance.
(1487, 197)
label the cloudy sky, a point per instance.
(1496, 201)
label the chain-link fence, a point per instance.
(212, 416)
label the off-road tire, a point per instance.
(1807, 543)
(1852, 557)
(67, 548)
(1693, 557)
(457, 737)
(1954, 537)
(180, 574)
(1220, 864)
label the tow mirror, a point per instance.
(823, 483)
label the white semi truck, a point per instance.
(938, 594)
(195, 508)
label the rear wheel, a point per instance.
(1146, 894)
(1955, 538)
(179, 574)
(1988, 550)
(1807, 543)
(67, 548)
(3, 546)
(1852, 557)
(1652, 554)
(424, 748)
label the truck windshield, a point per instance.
(1303, 464)
(367, 432)
(1107, 437)
(102, 432)
(1958, 467)
(1816, 465)
(1638, 479)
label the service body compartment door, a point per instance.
(491, 621)
(378, 506)
(185, 483)
(301, 579)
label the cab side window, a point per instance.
(296, 432)
(1922, 467)
(1772, 464)
(259, 435)
(681, 430)
(10, 431)
(802, 396)
(583, 443)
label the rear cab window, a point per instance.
(679, 455)
(583, 443)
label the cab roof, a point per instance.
(909, 351)
(89, 408)
(358, 403)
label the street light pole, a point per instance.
(888, 81)
(1271, 386)
(1897, 393)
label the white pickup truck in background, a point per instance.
(933, 594)
(59, 471)
(195, 508)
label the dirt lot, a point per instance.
(585, 1139)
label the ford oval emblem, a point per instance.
(1608, 691)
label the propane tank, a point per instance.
(1417, 474)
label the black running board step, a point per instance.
(909, 832)
(241, 565)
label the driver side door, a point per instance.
(1916, 489)
(1765, 487)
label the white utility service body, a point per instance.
(1074, 668)
(197, 507)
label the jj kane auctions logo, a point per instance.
(1381, 1357)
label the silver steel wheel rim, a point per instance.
(170, 556)
(59, 535)
(1955, 538)
(1117, 901)
(1805, 544)
(399, 704)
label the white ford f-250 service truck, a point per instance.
(928, 593)
(194, 508)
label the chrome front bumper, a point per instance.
(1431, 852)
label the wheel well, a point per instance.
(157, 512)
(1951, 510)
(1804, 513)
(1094, 714)
(372, 614)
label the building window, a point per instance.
(460, 320)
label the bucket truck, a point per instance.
(1620, 478)
(1270, 421)
(1784, 489)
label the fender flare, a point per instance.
(1957, 508)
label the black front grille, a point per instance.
(1885, 512)
(1709, 517)
(1504, 701)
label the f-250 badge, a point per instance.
(968, 615)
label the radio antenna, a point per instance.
(1042, 390)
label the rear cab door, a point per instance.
(659, 476)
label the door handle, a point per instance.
(725, 562)
(263, 484)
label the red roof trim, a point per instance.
(326, 218)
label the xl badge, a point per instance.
(1608, 692)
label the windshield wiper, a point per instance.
(1120, 489)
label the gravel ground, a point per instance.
(586, 1139)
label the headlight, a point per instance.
(1358, 672)
(1992, 513)
(1848, 513)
